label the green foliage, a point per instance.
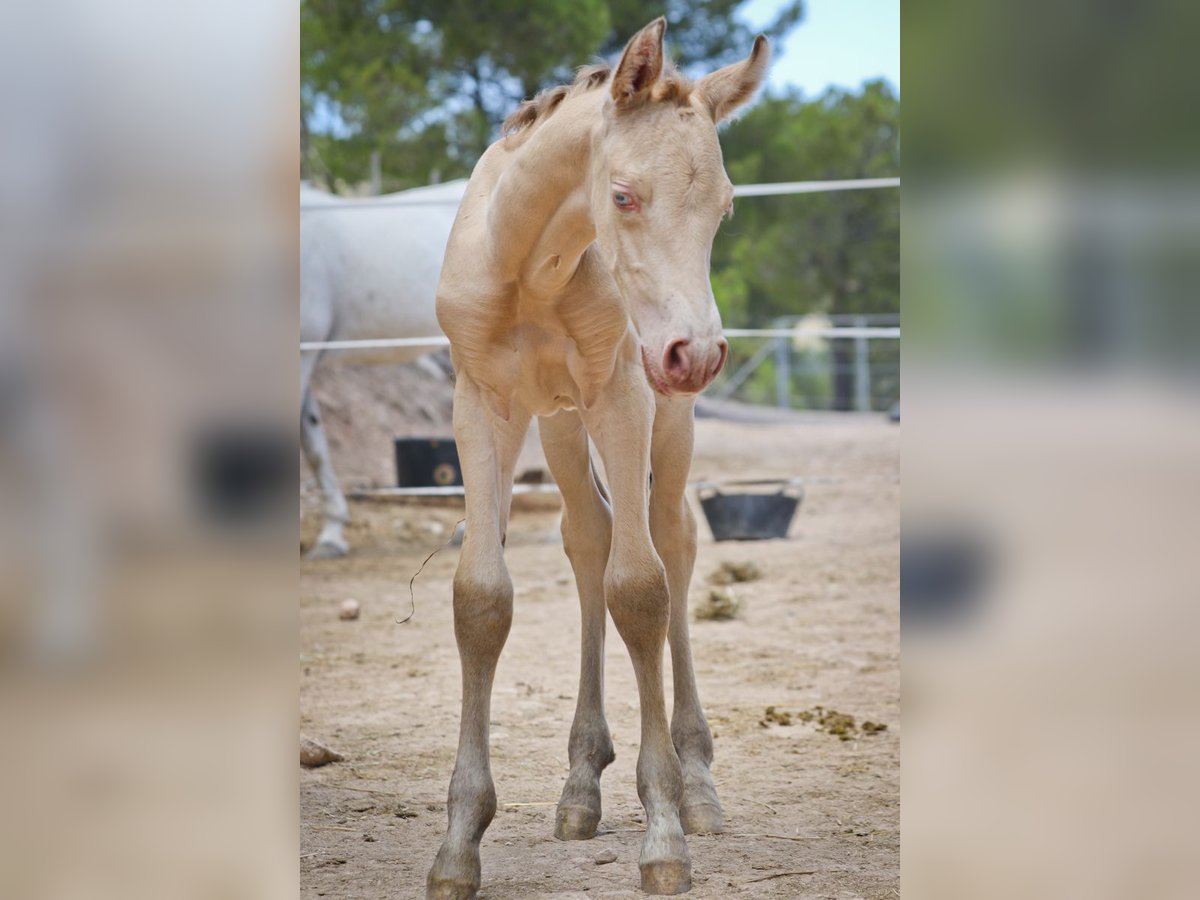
(830, 253)
(701, 36)
(424, 84)
(827, 252)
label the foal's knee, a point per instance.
(639, 602)
(483, 600)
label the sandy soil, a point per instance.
(808, 815)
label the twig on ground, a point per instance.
(783, 875)
(778, 837)
(412, 597)
(346, 787)
(773, 810)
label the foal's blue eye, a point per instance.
(622, 199)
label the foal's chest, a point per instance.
(544, 383)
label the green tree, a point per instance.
(422, 85)
(831, 253)
(701, 36)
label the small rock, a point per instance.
(313, 754)
(605, 856)
(369, 838)
(348, 610)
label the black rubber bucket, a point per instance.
(756, 516)
(427, 462)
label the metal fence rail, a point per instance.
(742, 190)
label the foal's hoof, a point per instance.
(449, 889)
(328, 550)
(666, 877)
(576, 823)
(701, 818)
(455, 875)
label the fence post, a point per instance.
(862, 369)
(783, 373)
(376, 173)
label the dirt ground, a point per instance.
(807, 814)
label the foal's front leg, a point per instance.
(483, 593)
(673, 527)
(635, 588)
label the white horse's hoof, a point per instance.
(328, 550)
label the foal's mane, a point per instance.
(671, 86)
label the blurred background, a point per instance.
(1051, 240)
(1051, 233)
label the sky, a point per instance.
(839, 43)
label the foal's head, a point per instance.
(658, 192)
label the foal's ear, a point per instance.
(641, 63)
(726, 89)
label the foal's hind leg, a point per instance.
(586, 530)
(487, 450)
(674, 530)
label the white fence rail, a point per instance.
(442, 341)
(742, 190)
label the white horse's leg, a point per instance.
(635, 588)
(487, 450)
(335, 512)
(586, 531)
(673, 527)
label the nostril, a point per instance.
(723, 347)
(675, 360)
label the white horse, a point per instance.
(368, 269)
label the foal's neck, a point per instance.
(540, 217)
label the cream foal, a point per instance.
(576, 288)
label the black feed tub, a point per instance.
(750, 516)
(427, 462)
